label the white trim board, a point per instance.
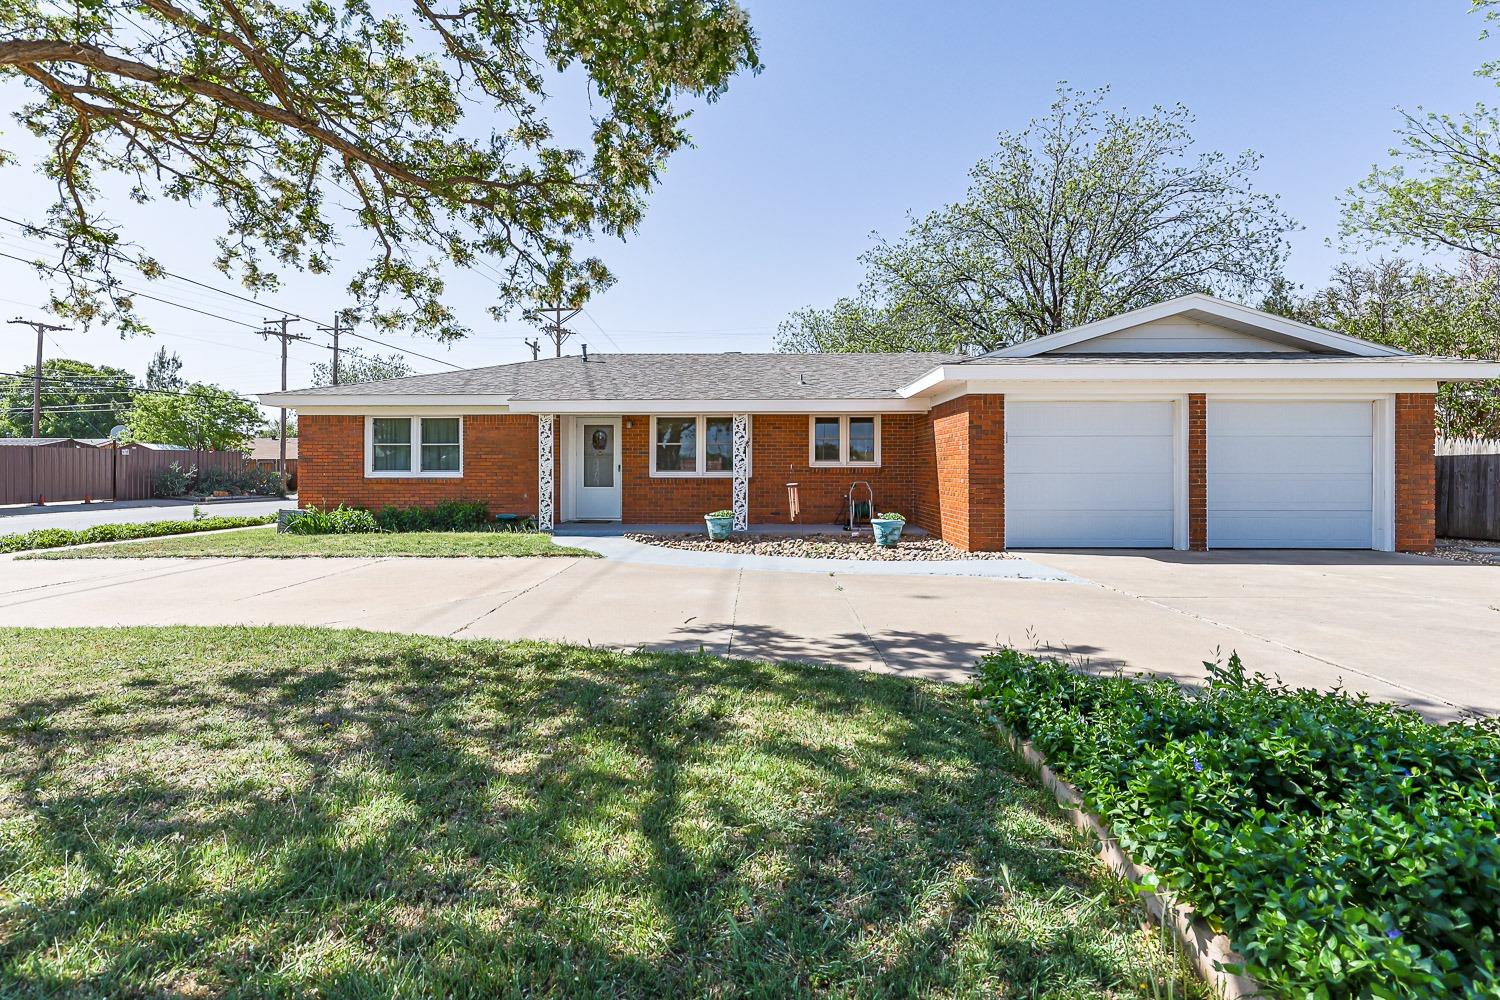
(1204, 307)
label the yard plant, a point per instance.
(1348, 848)
(310, 812)
(49, 538)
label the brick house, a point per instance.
(1194, 423)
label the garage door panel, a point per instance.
(1052, 420)
(1089, 474)
(1138, 492)
(1069, 455)
(1255, 492)
(1291, 530)
(1291, 418)
(1278, 456)
(1293, 474)
(1090, 528)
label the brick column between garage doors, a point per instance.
(1416, 472)
(1197, 455)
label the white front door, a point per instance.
(1089, 475)
(597, 494)
(1293, 474)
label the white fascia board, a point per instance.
(1203, 303)
(1424, 369)
(713, 406)
(345, 401)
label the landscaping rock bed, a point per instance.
(827, 546)
(1469, 550)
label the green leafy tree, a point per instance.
(362, 368)
(1422, 309)
(1443, 189)
(1083, 214)
(424, 123)
(200, 416)
(78, 399)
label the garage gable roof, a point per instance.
(1278, 332)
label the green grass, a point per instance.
(266, 542)
(296, 811)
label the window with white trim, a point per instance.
(414, 447)
(844, 440)
(692, 446)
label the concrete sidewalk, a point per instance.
(1400, 628)
(77, 515)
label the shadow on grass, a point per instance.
(284, 811)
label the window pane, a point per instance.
(599, 455)
(718, 444)
(676, 444)
(440, 430)
(861, 439)
(392, 430)
(826, 439)
(439, 457)
(391, 458)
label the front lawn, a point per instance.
(296, 811)
(266, 542)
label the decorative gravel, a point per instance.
(1463, 550)
(920, 549)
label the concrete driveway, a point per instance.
(76, 515)
(1404, 628)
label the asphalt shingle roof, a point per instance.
(669, 376)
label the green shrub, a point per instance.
(1348, 848)
(174, 481)
(51, 538)
(339, 521)
(450, 515)
(890, 517)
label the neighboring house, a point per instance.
(265, 453)
(31, 442)
(1194, 423)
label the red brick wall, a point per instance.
(500, 465)
(959, 472)
(1197, 451)
(1416, 472)
(779, 455)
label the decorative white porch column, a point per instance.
(741, 471)
(544, 470)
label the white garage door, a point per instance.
(1088, 475)
(1290, 475)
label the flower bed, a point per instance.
(827, 546)
(1347, 848)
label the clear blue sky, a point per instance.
(865, 111)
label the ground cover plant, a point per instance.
(298, 812)
(266, 542)
(49, 538)
(1348, 848)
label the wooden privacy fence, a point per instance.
(64, 473)
(1468, 488)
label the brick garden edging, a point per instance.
(1207, 950)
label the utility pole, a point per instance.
(536, 349)
(335, 329)
(554, 328)
(285, 338)
(42, 329)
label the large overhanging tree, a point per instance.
(425, 126)
(1442, 192)
(1083, 214)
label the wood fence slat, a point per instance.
(1468, 489)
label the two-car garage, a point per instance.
(1111, 474)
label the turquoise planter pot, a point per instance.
(887, 533)
(719, 528)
